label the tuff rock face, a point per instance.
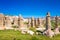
(5, 23)
(2, 22)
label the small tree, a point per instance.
(15, 26)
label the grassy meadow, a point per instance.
(16, 35)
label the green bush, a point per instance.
(15, 26)
(33, 29)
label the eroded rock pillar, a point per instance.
(56, 26)
(29, 22)
(32, 22)
(48, 31)
(20, 21)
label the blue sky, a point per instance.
(28, 8)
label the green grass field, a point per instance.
(16, 35)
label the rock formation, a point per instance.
(32, 22)
(56, 26)
(48, 31)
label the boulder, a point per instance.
(30, 32)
